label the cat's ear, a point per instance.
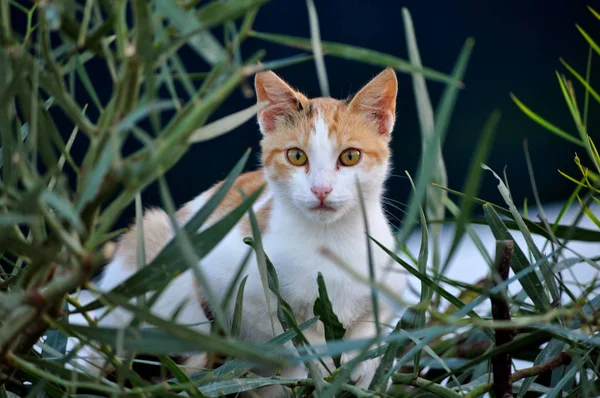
(377, 101)
(282, 100)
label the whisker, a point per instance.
(396, 207)
(398, 176)
(394, 201)
(393, 216)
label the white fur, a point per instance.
(293, 241)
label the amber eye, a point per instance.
(350, 157)
(297, 157)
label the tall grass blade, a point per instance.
(236, 322)
(317, 49)
(226, 124)
(552, 349)
(588, 38)
(434, 198)
(545, 266)
(544, 123)
(357, 54)
(560, 231)
(334, 330)
(204, 43)
(531, 284)
(472, 183)
(429, 160)
(193, 340)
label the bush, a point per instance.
(55, 234)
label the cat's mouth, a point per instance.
(322, 207)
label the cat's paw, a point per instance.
(363, 372)
(87, 360)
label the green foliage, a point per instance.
(55, 236)
(334, 330)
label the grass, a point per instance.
(54, 235)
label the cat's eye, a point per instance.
(297, 157)
(350, 157)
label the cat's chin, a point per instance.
(325, 214)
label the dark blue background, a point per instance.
(518, 45)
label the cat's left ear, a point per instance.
(282, 100)
(377, 101)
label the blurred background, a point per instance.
(517, 49)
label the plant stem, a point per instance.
(427, 385)
(559, 360)
(500, 311)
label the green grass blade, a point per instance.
(334, 330)
(426, 280)
(428, 164)
(87, 84)
(204, 43)
(141, 112)
(192, 260)
(64, 208)
(317, 49)
(531, 284)
(544, 123)
(187, 338)
(236, 322)
(545, 266)
(180, 375)
(225, 124)
(454, 210)
(372, 278)
(560, 231)
(473, 183)
(594, 12)
(588, 38)
(588, 212)
(568, 376)
(279, 63)
(261, 262)
(582, 80)
(357, 54)
(552, 349)
(426, 293)
(434, 198)
(92, 182)
(393, 350)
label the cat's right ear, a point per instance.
(282, 100)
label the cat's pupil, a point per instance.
(298, 155)
(350, 155)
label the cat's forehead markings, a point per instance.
(320, 132)
(328, 110)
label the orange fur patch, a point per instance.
(157, 226)
(248, 183)
(157, 232)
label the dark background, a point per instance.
(517, 49)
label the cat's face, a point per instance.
(314, 151)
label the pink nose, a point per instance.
(321, 191)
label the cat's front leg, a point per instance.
(365, 328)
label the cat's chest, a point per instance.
(299, 259)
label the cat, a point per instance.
(313, 151)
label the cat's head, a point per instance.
(313, 150)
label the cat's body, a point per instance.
(312, 153)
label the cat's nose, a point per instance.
(321, 191)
